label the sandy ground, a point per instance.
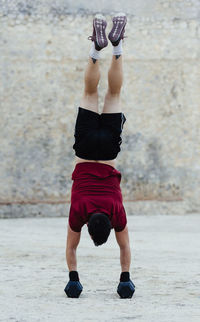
(165, 269)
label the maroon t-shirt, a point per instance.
(96, 188)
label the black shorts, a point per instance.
(97, 136)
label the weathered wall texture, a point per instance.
(44, 49)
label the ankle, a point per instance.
(94, 53)
(117, 50)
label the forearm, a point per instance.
(71, 259)
(125, 258)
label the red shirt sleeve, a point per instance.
(121, 220)
(75, 221)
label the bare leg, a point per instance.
(90, 96)
(115, 79)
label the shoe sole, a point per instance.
(100, 31)
(119, 23)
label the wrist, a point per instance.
(125, 277)
(73, 276)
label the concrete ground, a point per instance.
(165, 269)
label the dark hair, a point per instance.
(99, 227)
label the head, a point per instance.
(99, 227)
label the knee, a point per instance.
(90, 93)
(90, 97)
(90, 100)
(114, 92)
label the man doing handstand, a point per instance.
(96, 198)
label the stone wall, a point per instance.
(44, 49)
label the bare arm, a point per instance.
(122, 238)
(73, 239)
